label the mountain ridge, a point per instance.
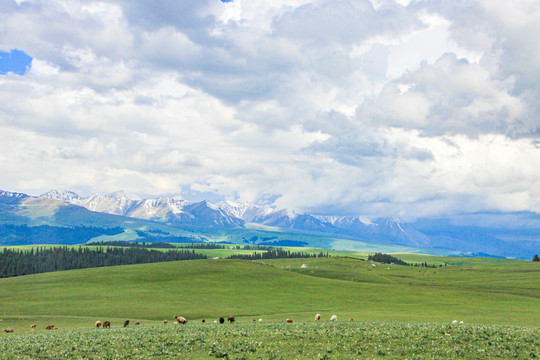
(498, 234)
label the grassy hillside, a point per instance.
(505, 293)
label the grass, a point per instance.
(308, 340)
(508, 293)
(400, 312)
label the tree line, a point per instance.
(40, 260)
(386, 259)
(16, 262)
(389, 259)
(276, 254)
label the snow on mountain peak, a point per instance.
(245, 210)
(211, 205)
(62, 195)
(365, 220)
(12, 194)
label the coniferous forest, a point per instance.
(40, 260)
(387, 259)
(276, 254)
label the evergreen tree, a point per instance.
(24, 262)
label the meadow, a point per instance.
(396, 309)
(303, 340)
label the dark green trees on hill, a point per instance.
(536, 258)
(277, 253)
(39, 260)
(387, 259)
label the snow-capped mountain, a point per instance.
(205, 213)
(173, 210)
(269, 216)
(245, 210)
(62, 195)
(115, 203)
(9, 194)
(229, 214)
(346, 221)
(512, 234)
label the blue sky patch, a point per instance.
(226, 0)
(15, 61)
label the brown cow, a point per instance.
(137, 323)
(231, 319)
(106, 324)
(317, 317)
(8, 330)
(165, 321)
(33, 326)
(98, 324)
(49, 327)
(289, 320)
(180, 319)
(126, 323)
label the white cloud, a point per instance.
(378, 108)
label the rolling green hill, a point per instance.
(491, 293)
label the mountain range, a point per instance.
(494, 234)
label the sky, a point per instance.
(335, 107)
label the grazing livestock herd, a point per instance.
(179, 320)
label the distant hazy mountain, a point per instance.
(39, 220)
(170, 210)
(496, 234)
(7, 194)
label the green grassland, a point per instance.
(299, 340)
(399, 311)
(492, 292)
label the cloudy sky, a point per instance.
(365, 107)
